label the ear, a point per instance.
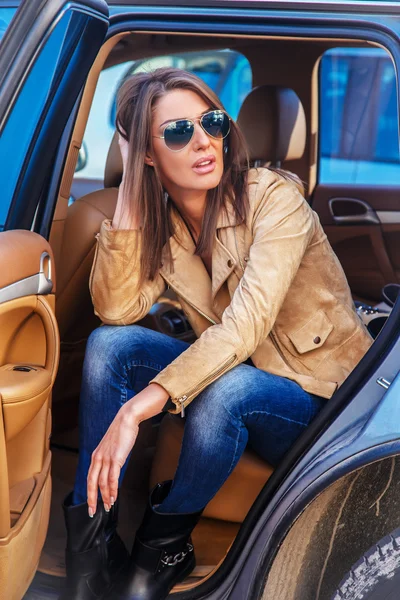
(148, 160)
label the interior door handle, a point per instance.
(352, 211)
(45, 284)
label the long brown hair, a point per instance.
(137, 98)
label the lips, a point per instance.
(204, 165)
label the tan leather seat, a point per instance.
(273, 122)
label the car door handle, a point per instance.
(352, 211)
(45, 283)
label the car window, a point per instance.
(19, 129)
(6, 15)
(358, 140)
(227, 72)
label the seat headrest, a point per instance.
(273, 123)
(114, 167)
(272, 120)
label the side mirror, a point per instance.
(82, 158)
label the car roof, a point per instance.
(350, 6)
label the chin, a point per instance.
(208, 182)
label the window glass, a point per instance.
(17, 134)
(37, 113)
(228, 73)
(6, 14)
(359, 139)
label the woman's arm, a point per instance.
(117, 297)
(113, 450)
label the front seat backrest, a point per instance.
(273, 122)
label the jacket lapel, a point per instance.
(189, 278)
(223, 263)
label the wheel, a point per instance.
(376, 576)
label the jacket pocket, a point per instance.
(313, 334)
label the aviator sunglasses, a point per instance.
(178, 134)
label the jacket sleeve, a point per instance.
(282, 228)
(114, 279)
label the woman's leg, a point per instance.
(244, 405)
(119, 362)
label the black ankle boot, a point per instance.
(95, 553)
(162, 553)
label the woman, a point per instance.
(276, 329)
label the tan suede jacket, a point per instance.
(278, 295)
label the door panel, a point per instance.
(29, 354)
(368, 243)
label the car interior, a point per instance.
(280, 118)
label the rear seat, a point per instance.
(278, 134)
(273, 121)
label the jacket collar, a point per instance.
(227, 217)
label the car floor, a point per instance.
(211, 538)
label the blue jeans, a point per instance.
(244, 406)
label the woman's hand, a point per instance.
(113, 450)
(110, 456)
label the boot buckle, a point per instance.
(171, 560)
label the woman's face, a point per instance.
(199, 165)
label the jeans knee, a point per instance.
(107, 345)
(214, 407)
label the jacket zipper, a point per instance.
(204, 383)
(279, 351)
(96, 251)
(201, 312)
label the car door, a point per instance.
(45, 55)
(358, 192)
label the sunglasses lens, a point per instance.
(216, 123)
(178, 134)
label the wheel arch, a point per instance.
(334, 531)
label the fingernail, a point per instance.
(112, 500)
(106, 508)
(91, 513)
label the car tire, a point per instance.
(376, 576)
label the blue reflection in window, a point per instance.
(359, 140)
(20, 127)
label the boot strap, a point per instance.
(155, 560)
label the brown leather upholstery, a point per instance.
(234, 499)
(29, 351)
(74, 308)
(73, 298)
(273, 122)
(113, 169)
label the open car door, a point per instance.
(45, 56)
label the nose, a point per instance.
(200, 139)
